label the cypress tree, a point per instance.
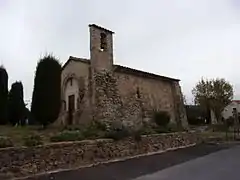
(3, 95)
(46, 99)
(16, 106)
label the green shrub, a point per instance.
(33, 140)
(146, 130)
(161, 118)
(99, 126)
(67, 136)
(94, 130)
(90, 133)
(5, 142)
(170, 127)
(118, 134)
(162, 129)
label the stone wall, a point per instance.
(107, 103)
(114, 108)
(16, 162)
(154, 94)
(112, 96)
(180, 111)
(78, 70)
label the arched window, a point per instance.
(138, 93)
(71, 81)
(103, 41)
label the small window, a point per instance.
(103, 42)
(64, 105)
(78, 103)
(138, 93)
(71, 81)
(234, 111)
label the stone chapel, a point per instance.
(97, 89)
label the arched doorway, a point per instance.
(72, 93)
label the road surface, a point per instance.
(222, 165)
(205, 162)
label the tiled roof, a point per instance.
(140, 73)
(99, 27)
(71, 58)
(236, 101)
(118, 68)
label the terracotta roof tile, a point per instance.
(236, 101)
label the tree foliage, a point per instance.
(46, 99)
(3, 95)
(213, 94)
(16, 106)
(184, 100)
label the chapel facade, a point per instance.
(97, 89)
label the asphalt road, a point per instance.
(179, 164)
(222, 165)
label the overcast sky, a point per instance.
(185, 39)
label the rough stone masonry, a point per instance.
(97, 89)
(22, 161)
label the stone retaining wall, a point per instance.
(17, 162)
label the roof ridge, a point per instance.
(78, 58)
(145, 72)
(123, 68)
